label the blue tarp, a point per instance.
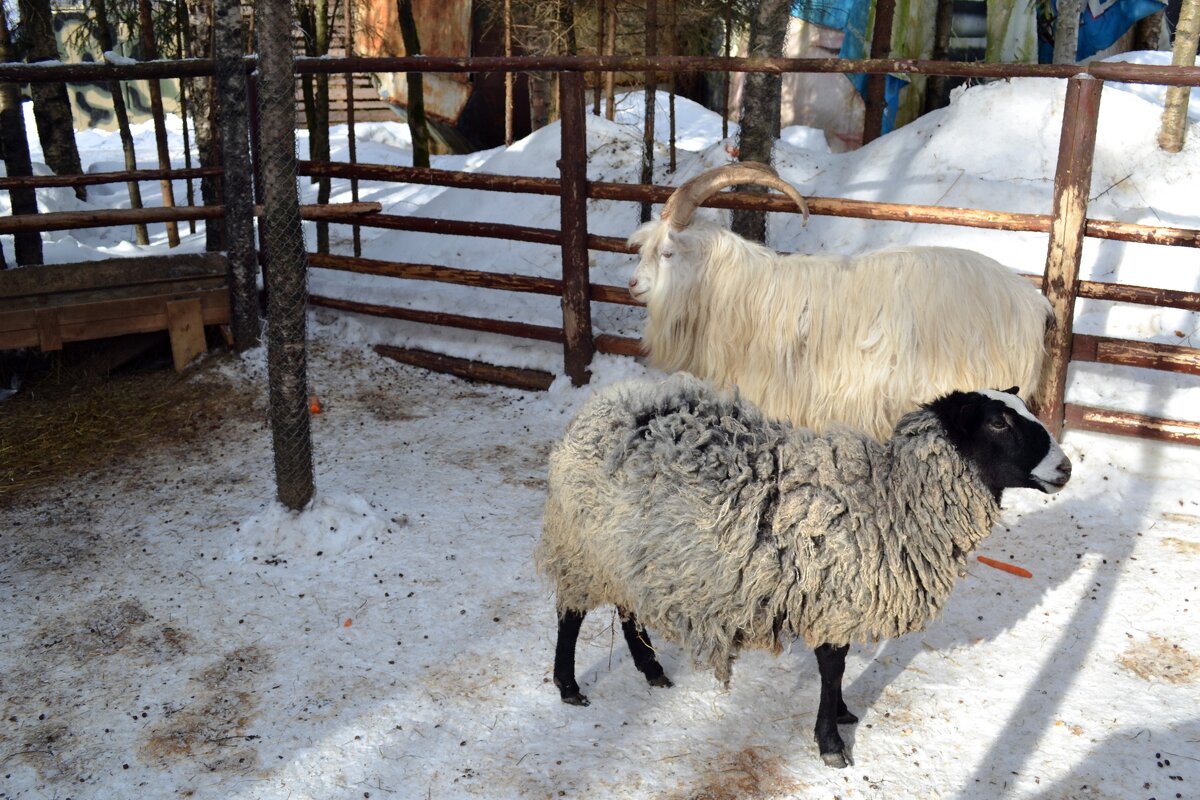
(852, 16)
(1102, 23)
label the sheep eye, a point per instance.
(998, 424)
(668, 254)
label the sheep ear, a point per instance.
(969, 414)
(1013, 390)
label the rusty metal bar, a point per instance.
(572, 166)
(1127, 423)
(1072, 181)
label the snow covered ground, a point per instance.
(170, 630)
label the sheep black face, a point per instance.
(1006, 443)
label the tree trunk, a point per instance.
(539, 100)
(204, 105)
(287, 263)
(509, 76)
(1175, 116)
(761, 105)
(150, 52)
(315, 23)
(416, 91)
(1066, 31)
(650, 83)
(229, 45)
(14, 147)
(51, 105)
(105, 39)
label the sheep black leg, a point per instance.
(569, 623)
(831, 661)
(642, 651)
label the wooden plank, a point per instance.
(50, 278)
(111, 318)
(99, 296)
(523, 330)
(1141, 295)
(619, 345)
(1072, 181)
(529, 379)
(185, 324)
(49, 333)
(1148, 355)
(1127, 423)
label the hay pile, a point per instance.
(66, 422)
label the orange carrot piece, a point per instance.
(1005, 567)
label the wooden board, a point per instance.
(48, 306)
(185, 324)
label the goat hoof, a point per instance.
(837, 760)
(846, 718)
(576, 699)
(662, 681)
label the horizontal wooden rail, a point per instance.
(452, 227)
(1126, 423)
(819, 206)
(1139, 295)
(202, 67)
(523, 330)
(71, 220)
(516, 377)
(97, 178)
(1125, 352)
(601, 293)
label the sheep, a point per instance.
(699, 517)
(829, 339)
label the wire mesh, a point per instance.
(229, 45)
(286, 265)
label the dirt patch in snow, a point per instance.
(749, 774)
(1157, 659)
(212, 727)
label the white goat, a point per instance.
(819, 340)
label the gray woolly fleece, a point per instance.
(721, 529)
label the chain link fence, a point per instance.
(286, 264)
(228, 47)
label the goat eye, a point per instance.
(668, 254)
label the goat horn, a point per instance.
(682, 204)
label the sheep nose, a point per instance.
(1064, 468)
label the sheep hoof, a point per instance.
(576, 699)
(662, 681)
(837, 760)
(846, 718)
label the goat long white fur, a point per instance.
(820, 340)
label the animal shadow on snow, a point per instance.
(986, 604)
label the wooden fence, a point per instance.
(1066, 227)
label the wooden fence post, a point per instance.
(576, 295)
(1072, 183)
